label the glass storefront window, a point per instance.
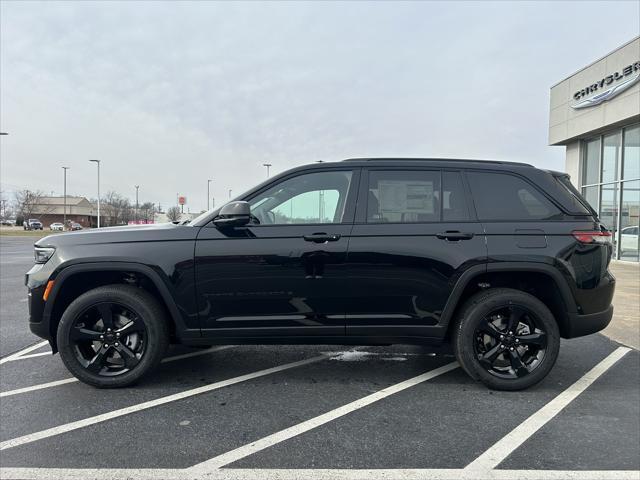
(592, 162)
(611, 185)
(630, 221)
(591, 195)
(610, 157)
(631, 168)
(608, 212)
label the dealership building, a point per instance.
(595, 115)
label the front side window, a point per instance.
(403, 196)
(499, 196)
(311, 198)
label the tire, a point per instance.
(500, 357)
(129, 306)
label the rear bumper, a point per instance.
(580, 325)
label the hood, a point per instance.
(123, 234)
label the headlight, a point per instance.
(42, 254)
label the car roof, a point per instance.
(454, 161)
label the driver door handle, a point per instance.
(321, 238)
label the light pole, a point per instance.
(268, 165)
(64, 211)
(137, 187)
(98, 163)
(208, 197)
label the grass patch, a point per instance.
(19, 232)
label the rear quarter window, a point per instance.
(502, 196)
(579, 204)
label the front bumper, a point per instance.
(580, 325)
(38, 323)
(36, 281)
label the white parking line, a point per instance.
(195, 354)
(14, 356)
(31, 355)
(287, 433)
(310, 474)
(508, 444)
(73, 379)
(18, 391)
(68, 427)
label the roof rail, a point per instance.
(462, 160)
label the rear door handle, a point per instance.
(321, 238)
(454, 235)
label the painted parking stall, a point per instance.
(274, 420)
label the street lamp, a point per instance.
(267, 165)
(229, 194)
(208, 197)
(98, 163)
(137, 187)
(64, 214)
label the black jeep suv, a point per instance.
(497, 259)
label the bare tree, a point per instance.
(117, 209)
(147, 211)
(26, 201)
(173, 214)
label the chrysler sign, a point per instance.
(608, 87)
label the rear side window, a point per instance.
(455, 207)
(403, 196)
(500, 196)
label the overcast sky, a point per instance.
(170, 94)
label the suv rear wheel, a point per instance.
(113, 335)
(507, 339)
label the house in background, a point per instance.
(51, 210)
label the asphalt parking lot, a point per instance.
(310, 412)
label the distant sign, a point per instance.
(182, 200)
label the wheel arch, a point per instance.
(541, 280)
(76, 279)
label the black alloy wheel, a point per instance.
(510, 343)
(113, 335)
(108, 339)
(506, 338)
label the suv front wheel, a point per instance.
(507, 339)
(113, 335)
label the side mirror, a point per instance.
(233, 214)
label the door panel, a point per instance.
(401, 276)
(268, 280)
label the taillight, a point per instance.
(594, 236)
